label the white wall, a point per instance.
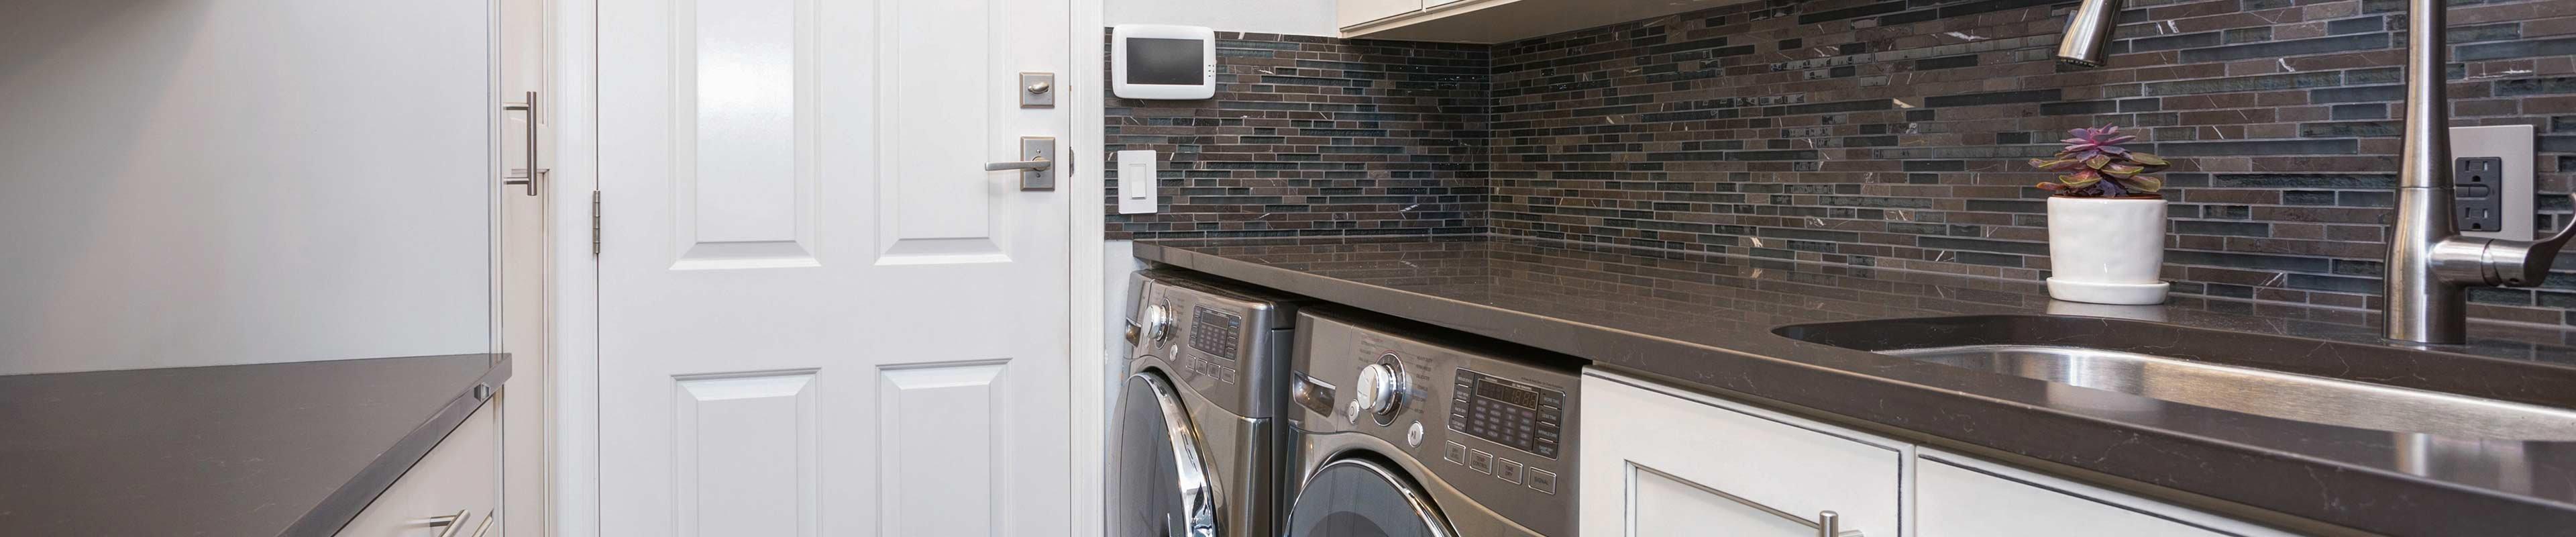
(1300, 17)
(192, 182)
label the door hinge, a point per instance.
(594, 222)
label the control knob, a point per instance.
(1158, 323)
(1381, 389)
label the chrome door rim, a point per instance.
(1198, 494)
(1413, 496)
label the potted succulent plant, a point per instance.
(2106, 223)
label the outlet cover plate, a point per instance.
(2513, 143)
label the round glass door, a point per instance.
(1161, 484)
(1359, 498)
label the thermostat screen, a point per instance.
(1164, 61)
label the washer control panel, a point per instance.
(1523, 416)
(1498, 427)
(1217, 333)
(1223, 343)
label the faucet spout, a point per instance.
(2088, 33)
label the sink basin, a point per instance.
(2352, 385)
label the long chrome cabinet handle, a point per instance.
(529, 175)
(453, 523)
(484, 527)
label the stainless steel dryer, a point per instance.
(1404, 431)
(1197, 443)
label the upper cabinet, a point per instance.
(1496, 21)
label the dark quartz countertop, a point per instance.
(1706, 322)
(262, 449)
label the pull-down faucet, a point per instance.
(2430, 264)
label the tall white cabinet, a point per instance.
(1660, 461)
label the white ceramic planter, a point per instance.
(2106, 250)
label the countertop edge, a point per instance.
(1392, 303)
(343, 505)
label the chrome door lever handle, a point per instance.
(1040, 164)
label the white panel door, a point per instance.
(819, 315)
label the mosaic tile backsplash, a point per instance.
(1888, 133)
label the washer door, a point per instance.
(1162, 484)
(1360, 498)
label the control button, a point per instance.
(1413, 434)
(1225, 374)
(1454, 453)
(1542, 480)
(1480, 461)
(1507, 470)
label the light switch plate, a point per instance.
(2512, 144)
(1136, 182)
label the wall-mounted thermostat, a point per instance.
(1154, 61)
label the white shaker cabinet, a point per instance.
(1659, 462)
(1960, 496)
(1356, 12)
(455, 490)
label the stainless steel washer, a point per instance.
(1196, 451)
(1402, 430)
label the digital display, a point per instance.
(1171, 62)
(1522, 397)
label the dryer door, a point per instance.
(1162, 487)
(1360, 498)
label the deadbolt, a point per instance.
(1040, 90)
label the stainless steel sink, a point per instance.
(2261, 392)
(2370, 386)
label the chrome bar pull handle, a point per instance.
(453, 523)
(529, 175)
(1830, 524)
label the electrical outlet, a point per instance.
(2476, 193)
(2491, 181)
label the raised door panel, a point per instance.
(746, 454)
(461, 475)
(743, 145)
(1962, 497)
(1660, 462)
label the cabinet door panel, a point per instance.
(1661, 504)
(1354, 12)
(1674, 463)
(462, 473)
(1962, 497)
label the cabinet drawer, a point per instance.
(1962, 497)
(1662, 462)
(463, 473)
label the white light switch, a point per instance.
(1136, 181)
